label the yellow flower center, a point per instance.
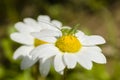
(38, 42)
(68, 43)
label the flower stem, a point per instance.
(36, 74)
(64, 74)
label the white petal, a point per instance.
(93, 40)
(57, 23)
(50, 52)
(94, 54)
(27, 62)
(58, 63)
(91, 48)
(48, 25)
(21, 27)
(22, 38)
(80, 35)
(46, 50)
(44, 67)
(70, 60)
(31, 23)
(84, 61)
(97, 57)
(44, 22)
(49, 55)
(46, 33)
(89, 54)
(50, 39)
(22, 51)
(44, 18)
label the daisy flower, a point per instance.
(70, 47)
(24, 37)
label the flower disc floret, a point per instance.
(68, 43)
(38, 42)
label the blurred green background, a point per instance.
(100, 17)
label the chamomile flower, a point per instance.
(24, 37)
(70, 47)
